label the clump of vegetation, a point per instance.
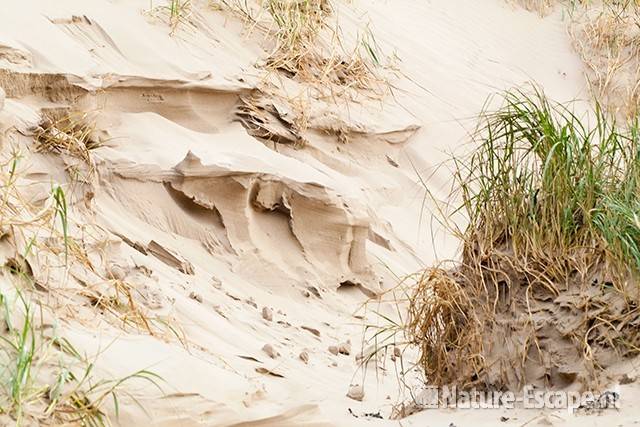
(546, 291)
(308, 43)
(305, 43)
(607, 38)
(43, 378)
(606, 35)
(297, 27)
(71, 134)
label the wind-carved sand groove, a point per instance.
(92, 36)
(316, 217)
(243, 214)
(192, 104)
(201, 109)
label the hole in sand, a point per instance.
(349, 287)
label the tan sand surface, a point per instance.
(211, 225)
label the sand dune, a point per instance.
(211, 202)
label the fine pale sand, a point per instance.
(259, 251)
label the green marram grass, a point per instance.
(550, 251)
(547, 187)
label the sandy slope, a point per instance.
(211, 225)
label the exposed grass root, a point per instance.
(263, 120)
(443, 323)
(546, 292)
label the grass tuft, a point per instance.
(71, 134)
(544, 183)
(547, 288)
(308, 42)
(61, 212)
(43, 379)
(33, 388)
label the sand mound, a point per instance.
(505, 331)
(546, 292)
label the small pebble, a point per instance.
(345, 348)
(627, 379)
(304, 356)
(216, 283)
(116, 271)
(271, 352)
(396, 354)
(267, 314)
(356, 392)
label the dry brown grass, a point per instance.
(305, 42)
(541, 7)
(296, 27)
(607, 38)
(123, 306)
(70, 134)
(606, 35)
(445, 327)
(43, 379)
